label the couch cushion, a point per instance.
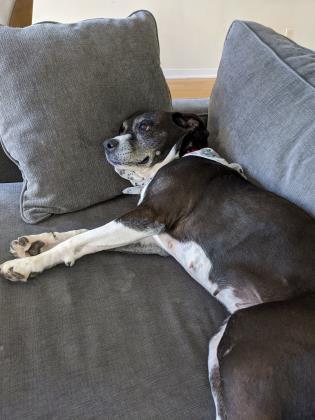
(262, 109)
(116, 336)
(79, 82)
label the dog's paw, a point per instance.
(26, 246)
(18, 270)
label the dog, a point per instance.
(250, 249)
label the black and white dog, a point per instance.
(249, 248)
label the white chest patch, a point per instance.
(141, 177)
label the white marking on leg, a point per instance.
(197, 264)
(191, 257)
(214, 372)
(233, 303)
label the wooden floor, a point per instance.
(22, 13)
(190, 88)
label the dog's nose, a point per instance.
(110, 144)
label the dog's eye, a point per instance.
(122, 129)
(145, 127)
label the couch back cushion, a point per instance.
(66, 88)
(262, 111)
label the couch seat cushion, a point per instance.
(116, 336)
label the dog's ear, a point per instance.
(187, 121)
(197, 133)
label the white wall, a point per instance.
(6, 7)
(192, 31)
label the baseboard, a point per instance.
(203, 73)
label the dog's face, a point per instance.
(147, 139)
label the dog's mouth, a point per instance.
(144, 161)
(116, 162)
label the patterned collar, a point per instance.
(140, 177)
(211, 154)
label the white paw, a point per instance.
(18, 270)
(26, 246)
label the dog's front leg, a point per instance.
(30, 245)
(130, 228)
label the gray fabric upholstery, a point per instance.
(79, 82)
(116, 336)
(262, 109)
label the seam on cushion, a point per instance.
(244, 24)
(23, 211)
(153, 18)
(38, 220)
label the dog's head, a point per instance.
(148, 139)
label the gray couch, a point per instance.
(126, 336)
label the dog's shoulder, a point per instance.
(189, 172)
(187, 177)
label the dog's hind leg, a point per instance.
(132, 227)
